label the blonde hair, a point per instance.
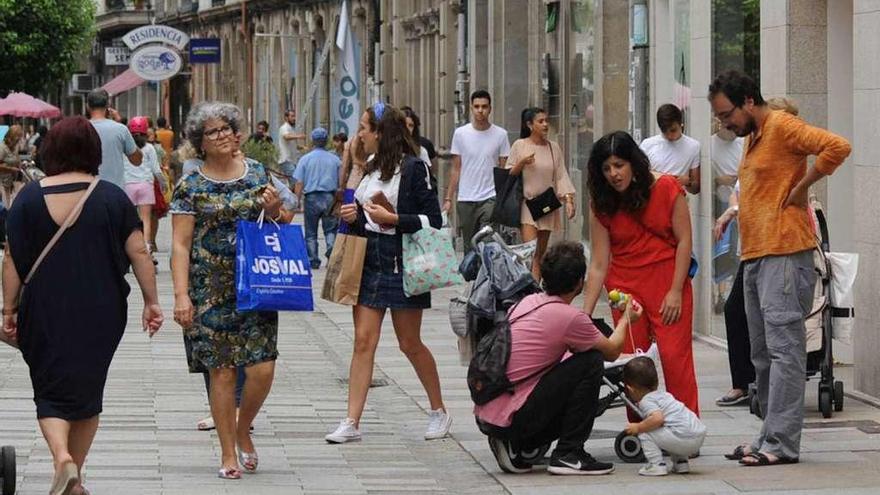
(13, 135)
(787, 105)
(186, 151)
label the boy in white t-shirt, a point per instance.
(673, 153)
(477, 148)
(667, 425)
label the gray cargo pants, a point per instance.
(778, 296)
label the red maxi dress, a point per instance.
(643, 264)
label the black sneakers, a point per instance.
(578, 462)
(508, 459)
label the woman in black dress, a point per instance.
(70, 317)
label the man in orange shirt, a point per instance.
(777, 251)
(165, 136)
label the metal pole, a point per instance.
(564, 30)
(461, 80)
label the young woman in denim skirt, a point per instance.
(395, 177)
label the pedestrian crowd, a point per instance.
(93, 219)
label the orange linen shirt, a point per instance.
(166, 139)
(775, 160)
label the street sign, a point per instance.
(155, 33)
(156, 62)
(204, 51)
(116, 55)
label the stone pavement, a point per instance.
(147, 443)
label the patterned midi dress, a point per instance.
(221, 336)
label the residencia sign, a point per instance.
(155, 33)
(157, 50)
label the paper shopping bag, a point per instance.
(342, 284)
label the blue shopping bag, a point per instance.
(272, 270)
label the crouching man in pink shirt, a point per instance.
(555, 393)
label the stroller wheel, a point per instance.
(754, 405)
(838, 396)
(825, 401)
(628, 448)
(7, 470)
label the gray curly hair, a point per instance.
(204, 111)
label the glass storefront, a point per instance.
(735, 45)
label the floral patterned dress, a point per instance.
(221, 336)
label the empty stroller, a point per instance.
(832, 305)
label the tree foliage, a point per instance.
(42, 41)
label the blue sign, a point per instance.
(204, 51)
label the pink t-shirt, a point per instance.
(539, 340)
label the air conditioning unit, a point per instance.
(83, 83)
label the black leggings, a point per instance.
(562, 406)
(739, 350)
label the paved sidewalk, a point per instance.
(148, 444)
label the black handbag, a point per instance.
(508, 198)
(543, 204)
(547, 202)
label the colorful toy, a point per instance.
(619, 299)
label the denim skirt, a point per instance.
(382, 279)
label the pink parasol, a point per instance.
(25, 105)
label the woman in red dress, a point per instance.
(641, 245)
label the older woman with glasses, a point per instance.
(206, 205)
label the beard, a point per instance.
(746, 130)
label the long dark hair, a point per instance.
(395, 141)
(605, 199)
(417, 123)
(528, 117)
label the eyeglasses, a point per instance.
(218, 132)
(726, 115)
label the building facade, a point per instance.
(595, 66)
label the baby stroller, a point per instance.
(7, 470)
(500, 275)
(820, 326)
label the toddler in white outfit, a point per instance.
(667, 425)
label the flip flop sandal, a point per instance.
(249, 461)
(763, 460)
(206, 424)
(229, 473)
(738, 453)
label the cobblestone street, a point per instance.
(148, 444)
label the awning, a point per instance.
(123, 82)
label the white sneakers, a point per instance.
(345, 432)
(654, 469)
(439, 423)
(680, 466)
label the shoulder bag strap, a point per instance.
(655, 233)
(71, 218)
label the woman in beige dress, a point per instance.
(541, 162)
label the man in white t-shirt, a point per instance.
(725, 150)
(673, 153)
(288, 154)
(477, 148)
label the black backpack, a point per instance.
(487, 373)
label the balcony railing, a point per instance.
(218, 3)
(117, 5)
